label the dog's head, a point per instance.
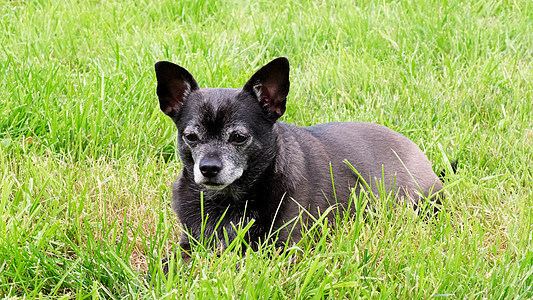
(224, 135)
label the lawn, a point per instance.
(87, 157)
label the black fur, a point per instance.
(453, 164)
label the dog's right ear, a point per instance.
(174, 84)
(271, 85)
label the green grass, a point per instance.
(87, 157)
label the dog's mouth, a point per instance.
(214, 186)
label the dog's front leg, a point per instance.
(185, 251)
(185, 248)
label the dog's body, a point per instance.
(248, 166)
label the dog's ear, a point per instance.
(174, 84)
(271, 85)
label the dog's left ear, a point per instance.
(174, 84)
(271, 85)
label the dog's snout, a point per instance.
(210, 167)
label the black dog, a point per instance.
(248, 166)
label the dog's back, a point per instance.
(379, 154)
(390, 163)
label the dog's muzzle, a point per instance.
(216, 173)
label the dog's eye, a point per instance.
(238, 139)
(191, 138)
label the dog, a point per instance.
(241, 164)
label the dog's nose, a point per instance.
(210, 167)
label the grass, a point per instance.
(87, 158)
